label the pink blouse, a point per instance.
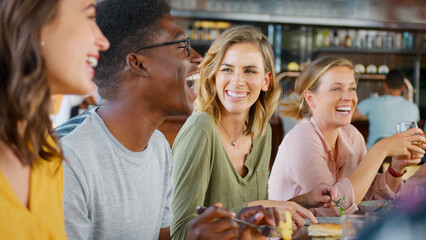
(304, 160)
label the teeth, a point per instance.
(236, 95)
(193, 77)
(190, 81)
(93, 62)
(343, 109)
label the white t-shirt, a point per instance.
(111, 192)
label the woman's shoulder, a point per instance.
(201, 120)
(304, 128)
(350, 131)
(198, 124)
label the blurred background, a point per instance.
(377, 35)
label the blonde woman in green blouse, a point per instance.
(222, 152)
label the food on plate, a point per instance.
(339, 205)
(375, 205)
(325, 231)
(285, 228)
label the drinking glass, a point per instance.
(353, 224)
(404, 126)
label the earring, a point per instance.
(42, 43)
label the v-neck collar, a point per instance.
(248, 161)
(345, 148)
(12, 194)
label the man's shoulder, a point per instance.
(158, 139)
(371, 100)
(69, 126)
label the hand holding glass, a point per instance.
(404, 126)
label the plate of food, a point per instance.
(325, 231)
(375, 205)
(335, 220)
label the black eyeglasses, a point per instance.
(186, 41)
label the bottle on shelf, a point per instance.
(369, 40)
(378, 41)
(359, 40)
(408, 40)
(348, 40)
(398, 41)
(389, 41)
(318, 39)
(325, 38)
(336, 39)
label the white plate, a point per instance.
(324, 220)
(369, 206)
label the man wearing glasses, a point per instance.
(118, 182)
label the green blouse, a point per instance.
(204, 175)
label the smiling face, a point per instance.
(240, 78)
(335, 100)
(170, 69)
(71, 47)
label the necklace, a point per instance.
(234, 142)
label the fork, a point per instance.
(382, 207)
(264, 230)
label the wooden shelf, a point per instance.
(371, 51)
(284, 75)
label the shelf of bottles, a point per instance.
(301, 44)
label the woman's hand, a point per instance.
(400, 162)
(257, 215)
(297, 212)
(320, 196)
(214, 223)
(401, 144)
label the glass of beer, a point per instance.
(404, 126)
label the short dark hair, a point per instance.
(127, 25)
(395, 79)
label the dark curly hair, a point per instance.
(127, 26)
(25, 100)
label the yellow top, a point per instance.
(44, 218)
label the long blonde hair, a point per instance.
(296, 106)
(207, 99)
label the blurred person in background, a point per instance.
(386, 111)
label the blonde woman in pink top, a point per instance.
(326, 148)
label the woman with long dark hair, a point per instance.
(46, 47)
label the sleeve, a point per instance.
(77, 222)
(379, 189)
(191, 175)
(309, 168)
(167, 214)
(363, 107)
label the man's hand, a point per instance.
(257, 215)
(214, 223)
